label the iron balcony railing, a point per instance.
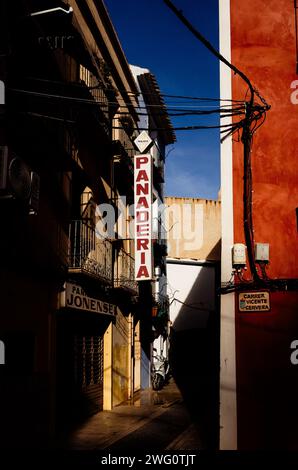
(124, 275)
(88, 253)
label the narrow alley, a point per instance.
(148, 243)
(159, 419)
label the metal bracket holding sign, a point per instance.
(258, 301)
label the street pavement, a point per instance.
(155, 420)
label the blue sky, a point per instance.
(152, 37)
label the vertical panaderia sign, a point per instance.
(143, 217)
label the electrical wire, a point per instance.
(289, 284)
(190, 305)
(108, 103)
(249, 125)
(82, 85)
(46, 116)
(181, 128)
(178, 128)
(209, 46)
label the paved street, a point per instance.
(154, 420)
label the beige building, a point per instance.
(193, 266)
(194, 228)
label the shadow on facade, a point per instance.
(194, 358)
(79, 364)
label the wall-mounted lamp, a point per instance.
(51, 10)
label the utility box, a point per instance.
(239, 254)
(262, 252)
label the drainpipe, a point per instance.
(131, 356)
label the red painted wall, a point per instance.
(263, 47)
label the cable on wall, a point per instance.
(254, 112)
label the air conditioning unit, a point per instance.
(17, 181)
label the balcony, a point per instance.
(123, 166)
(123, 154)
(124, 274)
(88, 254)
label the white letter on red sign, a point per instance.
(143, 217)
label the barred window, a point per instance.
(88, 360)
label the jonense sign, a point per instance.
(75, 297)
